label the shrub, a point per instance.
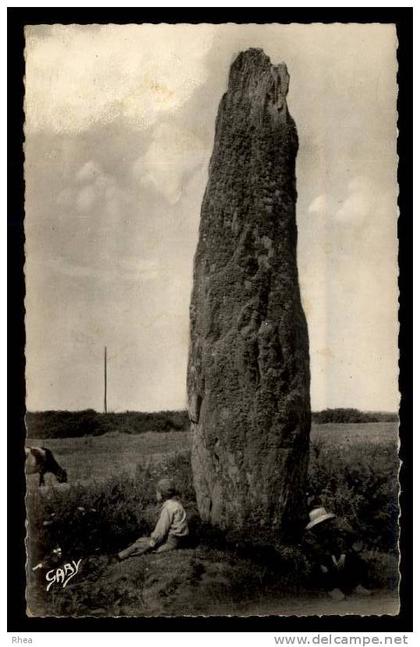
(92, 520)
(359, 483)
(101, 517)
(71, 424)
(341, 415)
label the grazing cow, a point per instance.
(40, 460)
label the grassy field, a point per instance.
(99, 457)
(109, 501)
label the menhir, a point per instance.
(248, 370)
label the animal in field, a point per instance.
(40, 460)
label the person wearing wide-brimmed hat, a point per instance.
(331, 546)
(171, 528)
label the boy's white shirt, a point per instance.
(172, 522)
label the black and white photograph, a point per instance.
(211, 320)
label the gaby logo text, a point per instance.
(62, 575)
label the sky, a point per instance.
(119, 127)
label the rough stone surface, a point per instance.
(248, 370)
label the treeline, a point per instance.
(352, 416)
(69, 424)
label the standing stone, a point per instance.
(248, 369)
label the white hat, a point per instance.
(318, 515)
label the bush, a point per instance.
(101, 517)
(360, 484)
(348, 416)
(97, 519)
(71, 424)
(84, 520)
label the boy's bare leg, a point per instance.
(139, 547)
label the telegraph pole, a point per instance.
(105, 381)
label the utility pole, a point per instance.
(105, 382)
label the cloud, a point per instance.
(88, 172)
(65, 197)
(79, 75)
(129, 269)
(362, 204)
(348, 276)
(86, 198)
(119, 122)
(132, 268)
(361, 201)
(99, 190)
(171, 158)
(319, 204)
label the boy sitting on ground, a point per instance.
(333, 550)
(171, 528)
